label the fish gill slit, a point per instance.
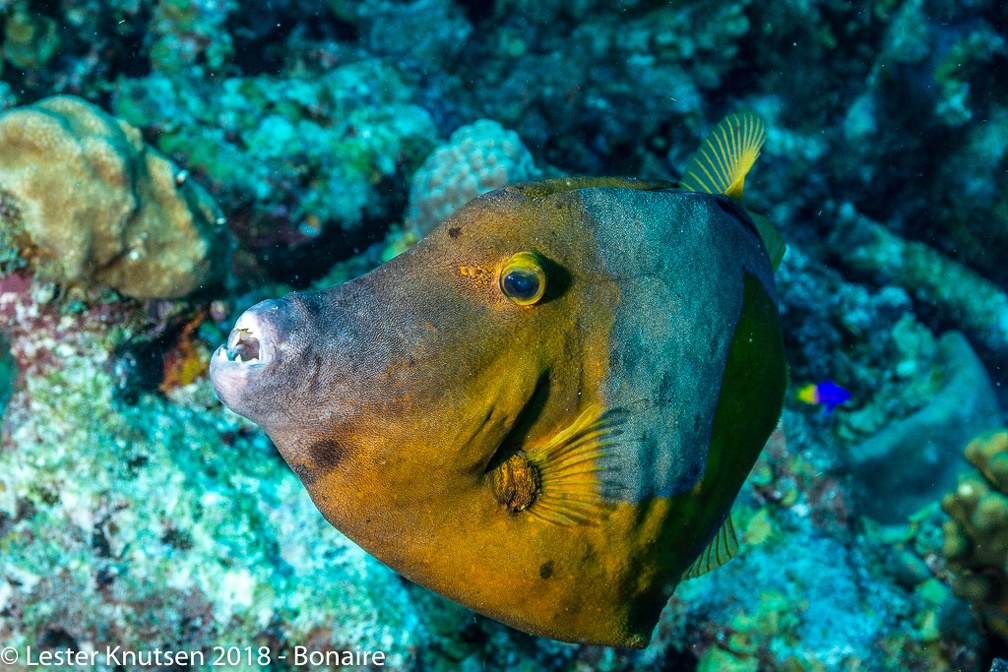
(509, 442)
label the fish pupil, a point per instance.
(521, 284)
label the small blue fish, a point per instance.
(827, 392)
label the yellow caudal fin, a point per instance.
(720, 164)
(720, 550)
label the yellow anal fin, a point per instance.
(722, 548)
(569, 471)
(726, 155)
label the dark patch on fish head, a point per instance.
(326, 453)
(322, 456)
(546, 570)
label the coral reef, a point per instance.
(829, 605)
(934, 83)
(190, 37)
(83, 199)
(441, 23)
(963, 297)
(827, 323)
(30, 40)
(307, 165)
(927, 442)
(605, 104)
(478, 158)
(973, 206)
(915, 397)
(164, 523)
(168, 521)
(976, 535)
(884, 168)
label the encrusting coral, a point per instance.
(83, 199)
(316, 166)
(927, 441)
(976, 536)
(30, 39)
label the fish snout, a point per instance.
(253, 349)
(254, 339)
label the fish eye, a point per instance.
(523, 278)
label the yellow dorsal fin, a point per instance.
(722, 548)
(568, 468)
(720, 164)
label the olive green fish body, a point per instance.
(544, 410)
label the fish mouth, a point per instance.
(251, 351)
(250, 343)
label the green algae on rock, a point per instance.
(165, 523)
(83, 199)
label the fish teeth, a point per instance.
(223, 354)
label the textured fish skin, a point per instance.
(395, 397)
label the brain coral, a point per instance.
(83, 199)
(478, 158)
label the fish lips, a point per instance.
(241, 367)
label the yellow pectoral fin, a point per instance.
(722, 548)
(725, 156)
(569, 469)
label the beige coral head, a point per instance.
(989, 454)
(98, 206)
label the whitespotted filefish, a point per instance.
(545, 409)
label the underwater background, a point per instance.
(203, 155)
